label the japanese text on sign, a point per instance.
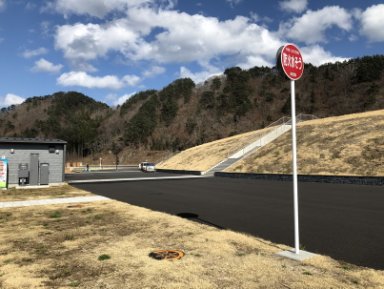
(292, 61)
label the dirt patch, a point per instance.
(107, 245)
(63, 191)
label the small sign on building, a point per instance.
(3, 173)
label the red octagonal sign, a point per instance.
(292, 61)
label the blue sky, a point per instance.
(111, 49)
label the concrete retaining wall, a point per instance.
(377, 181)
(183, 172)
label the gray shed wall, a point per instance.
(22, 153)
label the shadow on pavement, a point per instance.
(195, 218)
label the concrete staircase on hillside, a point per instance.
(278, 128)
(255, 145)
(221, 166)
(266, 139)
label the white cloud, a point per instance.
(44, 65)
(10, 99)
(356, 13)
(131, 80)
(310, 28)
(102, 8)
(93, 8)
(372, 23)
(80, 65)
(180, 38)
(197, 77)
(154, 70)
(254, 60)
(177, 37)
(165, 4)
(30, 6)
(294, 5)
(46, 28)
(34, 52)
(233, 3)
(316, 55)
(254, 16)
(197, 38)
(90, 41)
(2, 4)
(119, 100)
(80, 78)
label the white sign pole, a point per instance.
(294, 169)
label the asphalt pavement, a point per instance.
(131, 173)
(345, 222)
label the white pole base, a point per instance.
(301, 256)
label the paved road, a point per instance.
(126, 173)
(342, 221)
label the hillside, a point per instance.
(205, 156)
(156, 123)
(70, 116)
(344, 145)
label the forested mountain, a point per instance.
(70, 116)
(184, 114)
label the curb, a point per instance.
(56, 201)
(356, 180)
(183, 172)
(132, 179)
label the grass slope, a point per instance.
(344, 145)
(205, 156)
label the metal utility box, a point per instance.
(44, 174)
(34, 169)
(23, 174)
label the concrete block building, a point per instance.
(33, 161)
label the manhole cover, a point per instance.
(167, 254)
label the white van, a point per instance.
(147, 167)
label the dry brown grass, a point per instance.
(62, 191)
(345, 145)
(60, 247)
(205, 156)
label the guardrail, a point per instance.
(304, 117)
(276, 125)
(273, 130)
(100, 168)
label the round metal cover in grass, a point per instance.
(167, 254)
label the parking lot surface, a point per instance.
(345, 222)
(131, 173)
